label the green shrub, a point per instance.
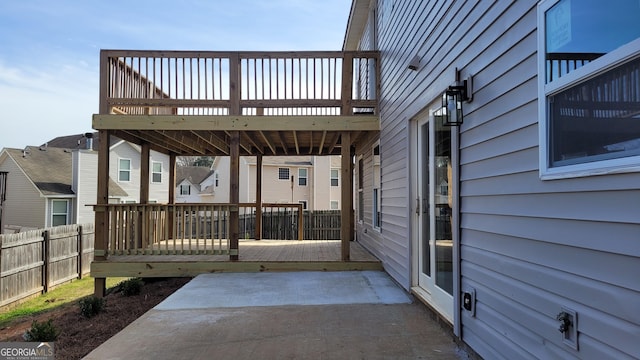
(91, 306)
(41, 332)
(131, 286)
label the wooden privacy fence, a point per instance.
(34, 261)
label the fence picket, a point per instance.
(34, 261)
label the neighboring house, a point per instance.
(313, 181)
(195, 184)
(534, 251)
(52, 184)
(124, 168)
(48, 186)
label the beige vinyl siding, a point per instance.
(24, 205)
(85, 177)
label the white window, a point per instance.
(302, 177)
(376, 187)
(185, 189)
(59, 212)
(335, 205)
(156, 172)
(335, 177)
(589, 97)
(283, 173)
(304, 204)
(124, 170)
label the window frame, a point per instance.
(304, 204)
(606, 62)
(336, 178)
(280, 178)
(305, 177)
(154, 173)
(54, 214)
(121, 170)
(188, 187)
(331, 202)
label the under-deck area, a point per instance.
(255, 256)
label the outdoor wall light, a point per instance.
(452, 100)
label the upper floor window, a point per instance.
(283, 173)
(217, 179)
(185, 189)
(59, 212)
(156, 172)
(303, 203)
(124, 170)
(589, 87)
(302, 177)
(334, 205)
(335, 177)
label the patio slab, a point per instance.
(302, 315)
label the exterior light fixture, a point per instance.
(452, 100)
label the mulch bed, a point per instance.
(80, 335)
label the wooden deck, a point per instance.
(254, 256)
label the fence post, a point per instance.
(80, 251)
(45, 257)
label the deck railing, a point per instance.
(239, 83)
(183, 229)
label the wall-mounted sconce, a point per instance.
(414, 64)
(452, 100)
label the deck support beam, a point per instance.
(234, 195)
(346, 195)
(258, 231)
(102, 217)
(172, 193)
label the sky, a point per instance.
(49, 50)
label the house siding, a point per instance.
(85, 177)
(158, 192)
(528, 247)
(24, 204)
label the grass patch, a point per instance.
(63, 295)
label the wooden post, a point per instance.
(45, 259)
(300, 222)
(234, 195)
(347, 84)
(80, 251)
(258, 231)
(346, 194)
(101, 214)
(145, 154)
(172, 195)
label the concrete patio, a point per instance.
(292, 315)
